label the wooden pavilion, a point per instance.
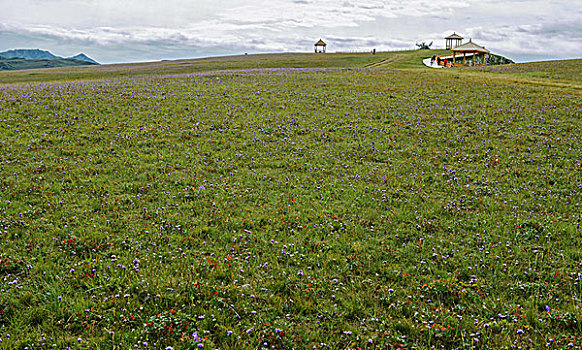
(470, 49)
(453, 41)
(320, 46)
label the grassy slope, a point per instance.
(556, 73)
(402, 59)
(567, 72)
(336, 206)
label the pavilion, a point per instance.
(470, 49)
(453, 41)
(320, 46)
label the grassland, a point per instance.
(172, 205)
(400, 59)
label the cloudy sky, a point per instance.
(144, 30)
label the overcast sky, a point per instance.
(145, 30)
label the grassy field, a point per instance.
(400, 59)
(556, 71)
(332, 206)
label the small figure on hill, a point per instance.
(423, 45)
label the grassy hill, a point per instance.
(338, 202)
(400, 59)
(567, 71)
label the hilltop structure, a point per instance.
(453, 41)
(320, 46)
(470, 49)
(472, 54)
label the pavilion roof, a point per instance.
(470, 47)
(320, 43)
(454, 36)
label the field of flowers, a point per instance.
(568, 71)
(396, 59)
(278, 209)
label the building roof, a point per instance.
(470, 47)
(454, 36)
(320, 43)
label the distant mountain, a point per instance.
(34, 54)
(83, 57)
(21, 63)
(35, 58)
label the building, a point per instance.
(320, 46)
(453, 41)
(470, 49)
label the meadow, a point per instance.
(304, 205)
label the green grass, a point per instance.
(336, 209)
(568, 71)
(399, 59)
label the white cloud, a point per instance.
(539, 39)
(512, 26)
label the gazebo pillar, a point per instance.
(464, 58)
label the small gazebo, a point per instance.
(320, 46)
(453, 41)
(470, 49)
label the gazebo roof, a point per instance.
(470, 47)
(454, 36)
(320, 43)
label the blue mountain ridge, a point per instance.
(37, 54)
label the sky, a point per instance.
(116, 31)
